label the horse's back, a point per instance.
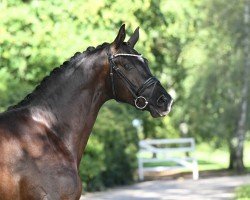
(31, 165)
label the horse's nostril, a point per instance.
(164, 99)
(161, 100)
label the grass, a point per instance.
(243, 192)
(210, 159)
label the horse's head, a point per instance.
(131, 80)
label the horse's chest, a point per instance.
(62, 183)
(54, 186)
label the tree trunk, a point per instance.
(236, 155)
(237, 142)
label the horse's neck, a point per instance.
(71, 109)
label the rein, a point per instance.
(136, 93)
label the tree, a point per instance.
(219, 96)
(237, 143)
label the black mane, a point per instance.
(54, 73)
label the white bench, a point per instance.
(167, 150)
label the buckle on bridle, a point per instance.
(137, 102)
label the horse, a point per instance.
(42, 138)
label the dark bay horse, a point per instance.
(42, 138)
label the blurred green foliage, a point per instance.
(194, 48)
(214, 100)
(243, 192)
(110, 156)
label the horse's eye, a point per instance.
(128, 67)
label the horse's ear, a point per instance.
(134, 38)
(120, 37)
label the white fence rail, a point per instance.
(164, 151)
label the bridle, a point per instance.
(136, 93)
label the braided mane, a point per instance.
(53, 74)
